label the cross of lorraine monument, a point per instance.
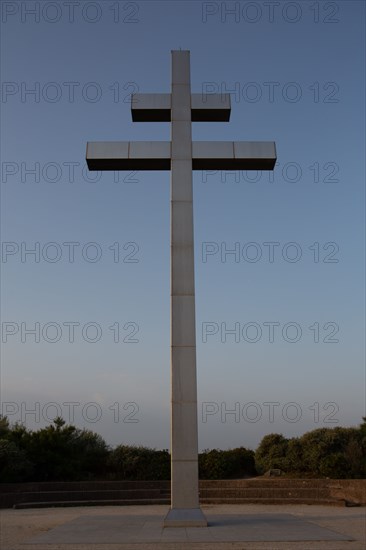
(181, 156)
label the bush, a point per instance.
(63, 452)
(325, 452)
(231, 464)
(138, 463)
(271, 453)
(14, 465)
(55, 453)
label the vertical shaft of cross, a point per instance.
(184, 436)
(181, 157)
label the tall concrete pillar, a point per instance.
(185, 510)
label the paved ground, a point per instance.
(236, 527)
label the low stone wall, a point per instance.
(16, 493)
(352, 491)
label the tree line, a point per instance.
(62, 452)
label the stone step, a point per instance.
(69, 503)
(281, 501)
(81, 486)
(255, 490)
(129, 494)
(138, 494)
(263, 483)
(140, 502)
(264, 492)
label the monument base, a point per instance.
(185, 517)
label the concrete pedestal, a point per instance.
(185, 517)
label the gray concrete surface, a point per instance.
(230, 526)
(221, 528)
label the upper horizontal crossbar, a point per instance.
(156, 155)
(157, 107)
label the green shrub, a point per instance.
(234, 464)
(138, 463)
(271, 453)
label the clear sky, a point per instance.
(280, 320)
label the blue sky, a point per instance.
(297, 74)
